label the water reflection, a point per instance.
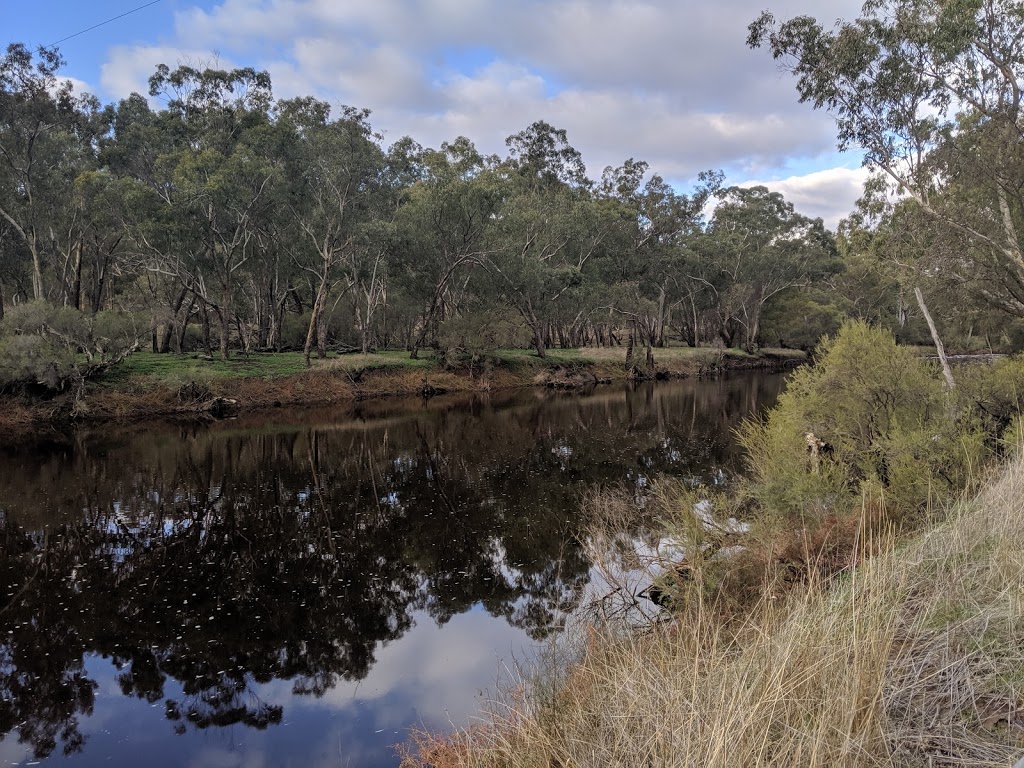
(251, 574)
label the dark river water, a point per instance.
(300, 588)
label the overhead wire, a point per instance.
(103, 23)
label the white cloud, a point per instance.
(829, 194)
(432, 670)
(128, 68)
(78, 87)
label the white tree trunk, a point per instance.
(946, 370)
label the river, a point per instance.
(302, 587)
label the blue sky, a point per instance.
(667, 81)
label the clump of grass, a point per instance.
(912, 658)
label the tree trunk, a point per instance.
(76, 288)
(99, 280)
(361, 324)
(947, 372)
(37, 271)
(727, 331)
(206, 327)
(538, 344)
(165, 342)
(321, 334)
(1, 301)
(660, 339)
(181, 326)
(752, 331)
(310, 333)
(314, 318)
(696, 324)
(224, 314)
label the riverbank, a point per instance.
(148, 385)
(911, 658)
(854, 599)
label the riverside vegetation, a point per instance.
(867, 612)
(225, 222)
(856, 600)
(871, 614)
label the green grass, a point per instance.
(394, 358)
(148, 367)
(154, 366)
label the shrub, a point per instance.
(993, 393)
(875, 413)
(799, 322)
(475, 333)
(57, 347)
(293, 330)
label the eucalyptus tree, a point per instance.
(759, 246)
(650, 262)
(335, 205)
(47, 137)
(931, 91)
(14, 278)
(444, 227)
(221, 179)
(138, 157)
(549, 229)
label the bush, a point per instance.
(798, 322)
(293, 330)
(869, 413)
(475, 333)
(993, 393)
(56, 347)
(1013, 336)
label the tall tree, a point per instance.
(444, 224)
(341, 186)
(931, 90)
(549, 228)
(221, 180)
(47, 137)
(760, 246)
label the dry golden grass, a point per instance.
(914, 658)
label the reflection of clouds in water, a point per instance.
(13, 753)
(219, 757)
(427, 672)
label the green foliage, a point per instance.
(794, 319)
(877, 416)
(229, 213)
(55, 347)
(993, 393)
(1013, 336)
(930, 92)
(482, 331)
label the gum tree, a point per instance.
(931, 91)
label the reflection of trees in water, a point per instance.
(207, 565)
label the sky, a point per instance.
(670, 82)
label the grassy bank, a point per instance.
(152, 385)
(912, 658)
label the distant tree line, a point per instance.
(229, 220)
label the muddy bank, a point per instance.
(144, 398)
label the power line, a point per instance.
(97, 26)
